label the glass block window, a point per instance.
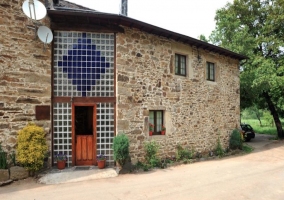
(83, 64)
(105, 130)
(62, 138)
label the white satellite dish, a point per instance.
(44, 34)
(34, 9)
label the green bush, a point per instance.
(183, 153)
(247, 148)
(151, 160)
(236, 140)
(3, 158)
(151, 149)
(13, 158)
(32, 147)
(219, 149)
(121, 149)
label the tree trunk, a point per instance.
(274, 114)
(257, 114)
(258, 117)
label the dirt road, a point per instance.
(258, 175)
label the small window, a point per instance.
(156, 121)
(210, 71)
(180, 65)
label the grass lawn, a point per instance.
(264, 129)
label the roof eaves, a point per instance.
(133, 23)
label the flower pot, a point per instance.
(163, 132)
(61, 164)
(150, 133)
(101, 164)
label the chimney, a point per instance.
(123, 10)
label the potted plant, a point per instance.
(163, 131)
(101, 160)
(151, 129)
(61, 160)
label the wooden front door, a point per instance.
(84, 134)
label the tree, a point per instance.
(203, 38)
(255, 28)
(253, 112)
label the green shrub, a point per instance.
(236, 140)
(183, 153)
(146, 167)
(247, 148)
(13, 158)
(32, 147)
(151, 160)
(219, 149)
(155, 162)
(121, 149)
(151, 149)
(3, 158)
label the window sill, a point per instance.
(211, 82)
(180, 76)
(157, 136)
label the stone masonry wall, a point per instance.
(25, 73)
(196, 111)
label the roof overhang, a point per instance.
(106, 21)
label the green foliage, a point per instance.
(121, 149)
(219, 151)
(13, 158)
(151, 149)
(3, 158)
(183, 153)
(254, 28)
(203, 38)
(267, 117)
(165, 162)
(236, 140)
(264, 129)
(252, 113)
(143, 166)
(62, 157)
(151, 160)
(32, 147)
(155, 162)
(247, 148)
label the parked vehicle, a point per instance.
(248, 132)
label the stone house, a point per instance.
(106, 74)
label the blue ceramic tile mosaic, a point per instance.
(84, 60)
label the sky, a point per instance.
(187, 17)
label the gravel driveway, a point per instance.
(258, 175)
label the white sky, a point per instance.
(188, 17)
